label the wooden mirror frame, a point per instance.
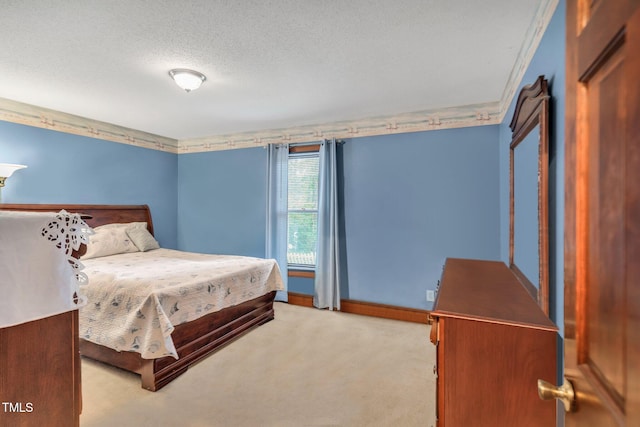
(532, 109)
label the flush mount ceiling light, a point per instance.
(187, 79)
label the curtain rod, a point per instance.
(302, 144)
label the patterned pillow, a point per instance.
(111, 239)
(141, 237)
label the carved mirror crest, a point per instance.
(528, 184)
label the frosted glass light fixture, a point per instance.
(187, 79)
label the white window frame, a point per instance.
(293, 154)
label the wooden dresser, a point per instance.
(493, 344)
(40, 373)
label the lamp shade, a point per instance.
(6, 170)
(187, 79)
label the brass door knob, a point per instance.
(564, 393)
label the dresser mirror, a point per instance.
(528, 184)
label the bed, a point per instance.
(193, 336)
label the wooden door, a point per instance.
(602, 207)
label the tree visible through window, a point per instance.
(303, 209)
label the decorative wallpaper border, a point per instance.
(473, 115)
(18, 112)
(449, 118)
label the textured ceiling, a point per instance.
(270, 64)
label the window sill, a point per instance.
(310, 274)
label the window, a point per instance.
(302, 232)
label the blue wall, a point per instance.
(222, 202)
(410, 201)
(65, 168)
(549, 60)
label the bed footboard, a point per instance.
(193, 340)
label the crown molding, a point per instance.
(448, 118)
(18, 112)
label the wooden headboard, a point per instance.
(100, 214)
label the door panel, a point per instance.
(632, 229)
(602, 221)
(602, 351)
(599, 22)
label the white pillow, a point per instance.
(111, 239)
(141, 237)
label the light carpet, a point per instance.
(307, 367)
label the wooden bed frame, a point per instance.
(193, 340)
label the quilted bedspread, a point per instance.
(136, 299)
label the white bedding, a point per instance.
(136, 299)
